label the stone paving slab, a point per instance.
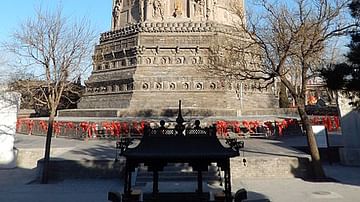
(298, 190)
(278, 190)
(100, 149)
(15, 184)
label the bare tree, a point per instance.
(285, 42)
(57, 48)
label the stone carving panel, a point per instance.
(172, 86)
(158, 86)
(186, 85)
(199, 7)
(124, 17)
(199, 86)
(178, 9)
(145, 86)
(180, 60)
(165, 60)
(117, 14)
(158, 7)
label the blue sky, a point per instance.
(13, 12)
(98, 12)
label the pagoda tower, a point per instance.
(149, 60)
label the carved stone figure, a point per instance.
(178, 7)
(158, 7)
(116, 13)
(199, 8)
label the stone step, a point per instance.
(270, 167)
(255, 167)
(74, 169)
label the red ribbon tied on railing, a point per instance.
(135, 128)
(108, 128)
(68, 126)
(57, 128)
(269, 126)
(236, 125)
(43, 125)
(221, 128)
(316, 120)
(125, 128)
(142, 127)
(248, 125)
(337, 122)
(30, 125)
(116, 128)
(19, 123)
(86, 127)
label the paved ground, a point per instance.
(17, 184)
(14, 187)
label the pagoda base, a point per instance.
(165, 112)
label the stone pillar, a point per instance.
(9, 105)
(350, 127)
(142, 10)
(148, 10)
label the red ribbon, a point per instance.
(57, 128)
(337, 122)
(87, 128)
(125, 128)
(116, 128)
(236, 125)
(68, 125)
(43, 125)
(221, 128)
(108, 128)
(135, 128)
(19, 123)
(142, 127)
(30, 125)
(280, 127)
(248, 125)
(270, 126)
(315, 120)
(329, 123)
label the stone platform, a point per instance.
(171, 112)
(96, 158)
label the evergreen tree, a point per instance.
(346, 76)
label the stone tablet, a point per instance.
(350, 127)
(9, 105)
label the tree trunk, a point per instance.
(283, 97)
(45, 173)
(318, 170)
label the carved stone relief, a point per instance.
(158, 86)
(186, 85)
(145, 86)
(199, 86)
(199, 8)
(178, 8)
(117, 13)
(158, 9)
(130, 86)
(172, 86)
(165, 60)
(180, 60)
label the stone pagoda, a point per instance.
(149, 60)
